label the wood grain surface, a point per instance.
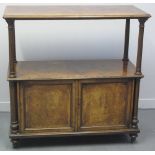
(46, 106)
(73, 11)
(73, 69)
(105, 104)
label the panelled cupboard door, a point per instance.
(105, 104)
(46, 106)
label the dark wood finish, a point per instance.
(126, 43)
(135, 108)
(73, 98)
(15, 143)
(133, 137)
(74, 12)
(79, 133)
(73, 69)
(12, 50)
(14, 107)
(140, 45)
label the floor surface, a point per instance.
(145, 140)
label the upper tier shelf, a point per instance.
(73, 69)
(74, 12)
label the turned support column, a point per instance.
(135, 108)
(12, 50)
(126, 43)
(13, 106)
(140, 45)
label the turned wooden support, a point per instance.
(140, 45)
(13, 107)
(126, 43)
(12, 50)
(135, 108)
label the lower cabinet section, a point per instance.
(74, 107)
(68, 106)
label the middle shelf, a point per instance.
(73, 69)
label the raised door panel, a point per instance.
(47, 106)
(105, 104)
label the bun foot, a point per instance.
(15, 143)
(133, 138)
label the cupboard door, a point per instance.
(105, 104)
(46, 106)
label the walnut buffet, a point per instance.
(70, 98)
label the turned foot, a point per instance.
(133, 138)
(15, 143)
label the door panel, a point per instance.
(105, 104)
(47, 106)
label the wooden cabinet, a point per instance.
(51, 106)
(75, 105)
(74, 97)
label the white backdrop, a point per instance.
(85, 39)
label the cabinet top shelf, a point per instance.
(74, 12)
